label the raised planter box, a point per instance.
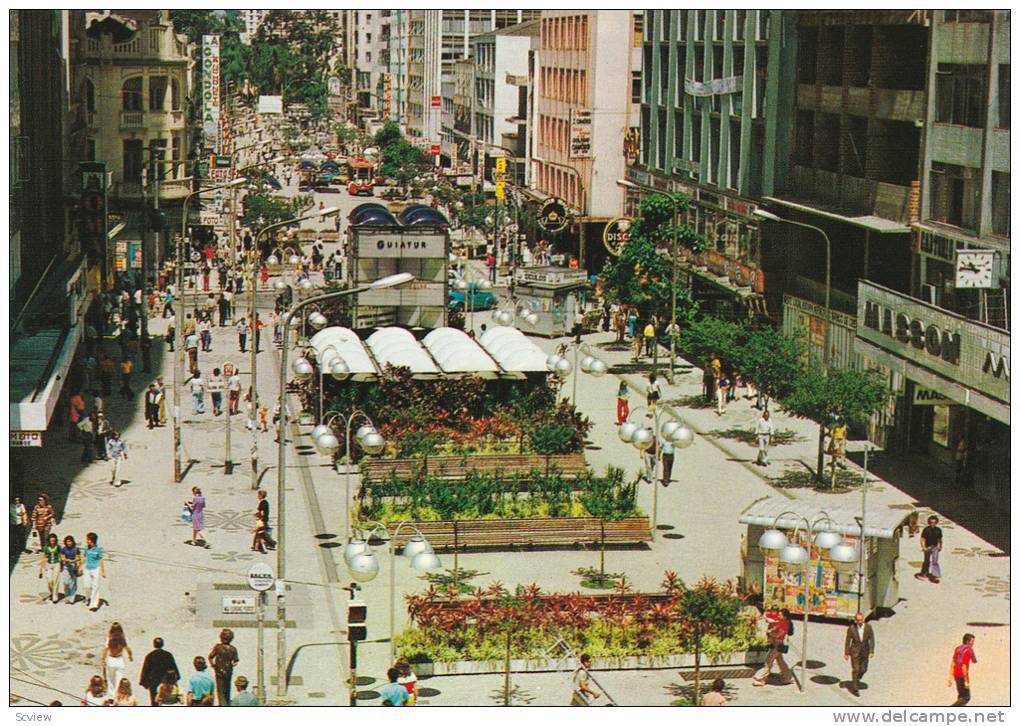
(625, 663)
(537, 532)
(457, 467)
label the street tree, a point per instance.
(771, 360)
(402, 163)
(292, 55)
(818, 395)
(267, 208)
(389, 133)
(643, 274)
(708, 335)
(710, 609)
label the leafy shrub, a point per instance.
(553, 438)
(418, 444)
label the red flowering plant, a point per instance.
(709, 619)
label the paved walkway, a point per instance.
(159, 585)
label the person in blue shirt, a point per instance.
(393, 694)
(201, 685)
(94, 568)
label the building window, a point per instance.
(960, 94)
(714, 149)
(661, 147)
(738, 25)
(90, 95)
(663, 74)
(639, 28)
(157, 92)
(635, 86)
(734, 154)
(720, 24)
(158, 154)
(90, 149)
(1003, 121)
(967, 16)
(133, 159)
(699, 24)
(175, 94)
(681, 26)
(954, 195)
(1000, 203)
(131, 94)
(646, 121)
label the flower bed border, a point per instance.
(532, 532)
(620, 663)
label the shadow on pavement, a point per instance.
(51, 468)
(932, 489)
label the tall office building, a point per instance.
(715, 128)
(584, 109)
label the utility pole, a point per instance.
(252, 392)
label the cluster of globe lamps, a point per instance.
(641, 437)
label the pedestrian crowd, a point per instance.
(209, 684)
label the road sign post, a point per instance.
(260, 579)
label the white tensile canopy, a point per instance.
(512, 350)
(456, 352)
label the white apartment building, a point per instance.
(424, 44)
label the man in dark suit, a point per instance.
(156, 665)
(858, 647)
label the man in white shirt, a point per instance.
(197, 384)
(764, 431)
(233, 391)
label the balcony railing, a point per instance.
(153, 45)
(132, 119)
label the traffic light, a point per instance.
(357, 616)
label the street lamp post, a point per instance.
(769, 216)
(179, 325)
(835, 547)
(588, 364)
(281, 455)
(364, 566)
(674, 430)
(253, 322)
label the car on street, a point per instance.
(479, 300)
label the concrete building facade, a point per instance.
(713, 127)
(949, 413)
(135, 97)
(584, 109)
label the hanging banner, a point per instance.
(211, 90)
(715, 87)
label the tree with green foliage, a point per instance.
(389, 133)
(402, 163)
(270, 209)
(709, 335)
(642, 276)
(292, 54)
(234, 55)
(771, 360)
(821, 396)
(711, 609)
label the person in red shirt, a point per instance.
(959, 669)
(490, 262)
(778, 627)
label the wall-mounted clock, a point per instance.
(976, 269)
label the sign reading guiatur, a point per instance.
(552, 217)
(617, 234)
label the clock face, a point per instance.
(975, 269)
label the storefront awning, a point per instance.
(39, 365)
(867, 221)
(950, 389)
(882, 521)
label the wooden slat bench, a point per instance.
(570, 466)
(545, 532)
